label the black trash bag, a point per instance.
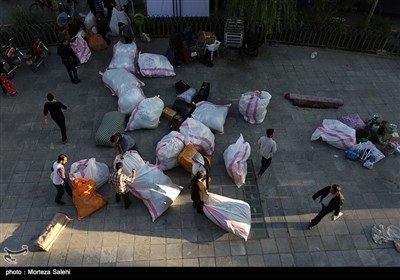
(202, 94)
(176, 122)
(181, 87)
(183, 108)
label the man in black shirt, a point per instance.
(54, 107)
(68, 58)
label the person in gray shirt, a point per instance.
(123, 143)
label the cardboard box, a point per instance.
(204, 38)
(168, 113)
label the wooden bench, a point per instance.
(314, 101)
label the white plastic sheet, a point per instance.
(90, 169)
(118, 16)
(155, 189)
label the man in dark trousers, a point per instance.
(331, 200)
(267, 149)
(54, 107)
(68, 58)
(125, 30)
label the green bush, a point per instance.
(20, 15)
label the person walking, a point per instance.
(198, 190)
(126, 31)
(122, 143)
(55, 108)
(60, 180)
(331, 200)
(268, 148)
(68, 58)
(118, 181)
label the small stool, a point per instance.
(212, 48)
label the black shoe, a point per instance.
(127, 205)
(76, 81)
(64, 141)
(310, 227)
(60, 202)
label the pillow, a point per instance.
(112, 123)
(353, 121)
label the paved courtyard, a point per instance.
(281, 201)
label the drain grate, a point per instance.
(251, 195)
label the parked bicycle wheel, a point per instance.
(36, 8)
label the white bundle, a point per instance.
(235, 158)
(124, 56)
(168, 150)
(211, 115)
(90, 169)
(146, 115)
(199, 135)
(155, 65)
(253, 106)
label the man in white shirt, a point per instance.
(267, 149)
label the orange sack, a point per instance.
(185, 157)
(85, 197)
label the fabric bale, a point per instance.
(211, 115)
(235, 158)
(124, 56)
(131, 160)
(155, 65)
(335, 133)
(253, 106)
(155, 189)
(353, 121)
(112, 123)
(146, 115)
(168, 150)
(232, 215)
(199, 135)
(81, 48)
(85, 197)
(97, 43)
(115, 79)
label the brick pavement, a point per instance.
(114, 236)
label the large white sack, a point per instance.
(253, 106)
(90, 169)
(375, 154)
(116, 78)
(335, 133)
(129, 98)
(155, 189)
(199, 135)
(168, 150)
(155, 65)
(124, 56)
(232, 215)
(89, 22)
(211, 115)
(118, 16)
(81, 48)
(131, 160)
(146, 115)
(235, 158)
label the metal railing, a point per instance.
(331, 36)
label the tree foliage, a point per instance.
(263, 16)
